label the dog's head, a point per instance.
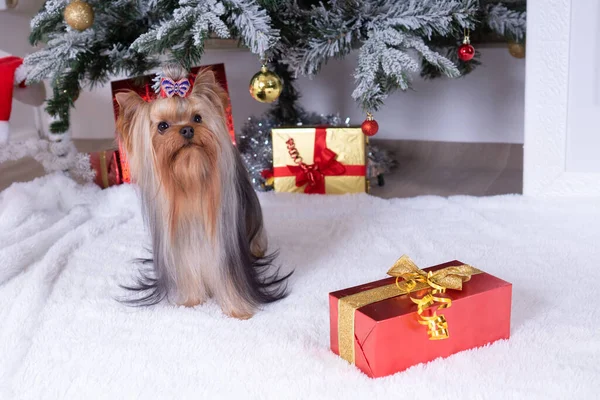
(182, 133)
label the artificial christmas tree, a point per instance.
(394, 40)
(297, 36)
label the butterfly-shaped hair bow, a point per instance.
(170, 88)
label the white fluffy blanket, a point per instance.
(64, 250)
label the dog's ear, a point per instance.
(206, 84)
(204, 79)
(129, 103)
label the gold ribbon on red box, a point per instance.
(107, 168)
(413, 280)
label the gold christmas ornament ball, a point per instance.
(79, 15)
(265, 86)
(516, 50)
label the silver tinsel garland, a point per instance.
(256, 148)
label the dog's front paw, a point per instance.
(192, 300)
(234, 304)
(191, 303)
(239, 314)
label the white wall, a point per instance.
(560, 93)
(485, 106)
(583, 140)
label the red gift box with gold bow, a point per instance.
(416, 316)
(321, 160)
(142, 85)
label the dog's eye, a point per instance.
(197, 118)
(162, 126)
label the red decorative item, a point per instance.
(266, 173)
(466, 52)
(386, 335)
(268, 176)
(8, 67)
(313, 176)
(143, 86)
(370, 127)
(107, 166)
(325, 164)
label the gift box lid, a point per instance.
(401, 305)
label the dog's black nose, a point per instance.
(187, 132)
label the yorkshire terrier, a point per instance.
(204, 217)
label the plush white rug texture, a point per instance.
(65, 248)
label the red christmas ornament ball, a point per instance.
(370, 127)
(466, 52)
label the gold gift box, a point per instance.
(349, 149)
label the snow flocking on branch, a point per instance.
(506, 22)
(52, 9)
(390, 32)
(50, 62)
(384, 61)
(445, 65)
(191, 19)
(254, 25)
(425, 17)
(334, 34)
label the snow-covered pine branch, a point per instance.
(434, 58)
(190, 24)
(48, 19)
(381, 67)
(254, 25)
(425, 17)
(131, 36)
(333, 36)
(52, 61)
(385, 62)
(506, 22)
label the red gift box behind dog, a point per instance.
(383, 337)
(143, 86)
(106, 165)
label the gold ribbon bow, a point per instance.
(438, 282)
(414, 280)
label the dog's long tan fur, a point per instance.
(204, 217)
